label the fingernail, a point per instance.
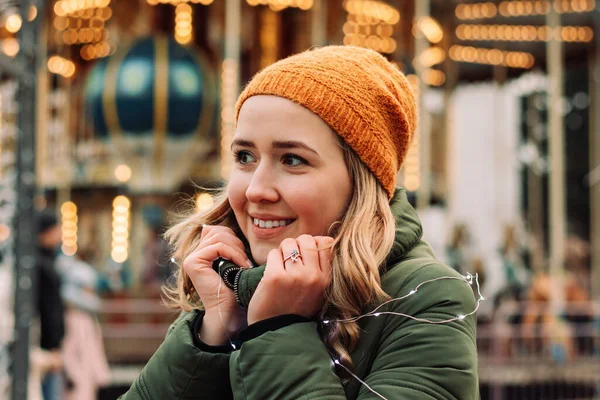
(250, 265)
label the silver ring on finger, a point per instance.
(294, 256)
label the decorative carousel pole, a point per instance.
(319, 23)
(557, 210)
(422, 9)
(230, 80)
(25, 239)
(593, 177)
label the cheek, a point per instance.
(236, 192)
(320, 206)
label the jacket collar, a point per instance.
(408, 227)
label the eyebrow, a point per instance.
(287, 144)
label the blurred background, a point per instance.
(114, 112)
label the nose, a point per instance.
(263, 186)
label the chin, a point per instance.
(260, 253)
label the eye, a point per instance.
(293, 160)
(243, 157)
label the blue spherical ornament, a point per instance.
(154, 87)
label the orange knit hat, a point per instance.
(357, 92)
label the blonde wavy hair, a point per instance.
(362, 242)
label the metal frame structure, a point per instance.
(23, 69)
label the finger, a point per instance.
(223, 237)
(288, 246)
(324, 244)
(274, 263)
(308, 249)
(204, 257)
(212, 230)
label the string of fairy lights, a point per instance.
(518, 8)
(524, 33)
(120, 229)
(468, 278)
(278, 5)
(515, 33)
(370, 24)
(68, 212)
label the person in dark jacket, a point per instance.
(49, 301)
(353, 303)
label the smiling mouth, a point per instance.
(270, 224)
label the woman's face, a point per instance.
(289, 176)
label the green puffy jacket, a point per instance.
(398, 357)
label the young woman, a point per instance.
(320, 137)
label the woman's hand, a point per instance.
(223, 316)
(294, 287)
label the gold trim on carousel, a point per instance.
(208, 109)
(109, 101)
(161, 106)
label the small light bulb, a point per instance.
(336, 362)
(461, 317)
(325, 322)
(412, 292)
(233, 345)
(173, 260)
(377, 314)
(482, 298)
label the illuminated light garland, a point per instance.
(120, 229)
(513, 59)
(370, 24)
(411, 167)
(13, 23)
(278, 5)
(81, 21)
(521, 8)
(97, 50)
(430, 28)
(375, 313)
(61, 66)
(431, 56)
(204, 202)
(177, 2)
(229, 97)
(68, 212)
(524, 33)
(183, 23)
(66, 7)
(10, 46)
(433, 77)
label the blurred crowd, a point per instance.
(67, 355)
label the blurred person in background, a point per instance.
(456, 250)
(516, 273)
(561, 329)
(85, 365)
(157, 267)
(49, 302)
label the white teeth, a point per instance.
(270, 223)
